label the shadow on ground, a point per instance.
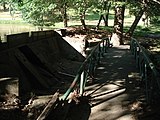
(117, 92)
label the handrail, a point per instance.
(87, 68)
(148, 71)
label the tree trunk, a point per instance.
(107, 11)
(82, 19)
(134, 24)
(138, 17)
(105, 16)
(106, 19)
(63, 10)
(117, 37)
(65, 16)
(145, 19)
(4, 6)
(97, 27)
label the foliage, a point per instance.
(133, 6)
(102, 6)
(12, 4)
(47, 12)
(40, 12)
(3, 2)
(154, 12)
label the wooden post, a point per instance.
(99, 53)
(82, 80)
(146, 81)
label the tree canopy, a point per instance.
(47, 12)
(39, 12)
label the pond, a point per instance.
(6, 29)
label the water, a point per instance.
(6, 29)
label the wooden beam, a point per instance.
(21, 57)
(49, 69)
(42, 59)
(49, 107)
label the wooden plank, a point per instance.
(46, 68)
(49, 107)
(15, 40)
(30, 67)
(52, 43)
(43, 60)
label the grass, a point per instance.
(12, 22)
(142, 31)
(91, 19)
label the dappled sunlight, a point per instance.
(117, 56)
(100, 68)
(110, 107)
(105, 88)
(120, 68)
(76, 42)
(87, 83)
(111, 96)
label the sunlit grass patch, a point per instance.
(12, 22)
(142, 30)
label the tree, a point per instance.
(81, 6)
(47, 12)
(154, 12)
(64, 13)
(134, 24)
(3, 3)
(40, 12)
(63, 5)
(117, 36)
(6, 3)
(146, 6)
(107, 6)
(103, 9)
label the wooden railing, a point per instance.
(150, 75)
(87, 69)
